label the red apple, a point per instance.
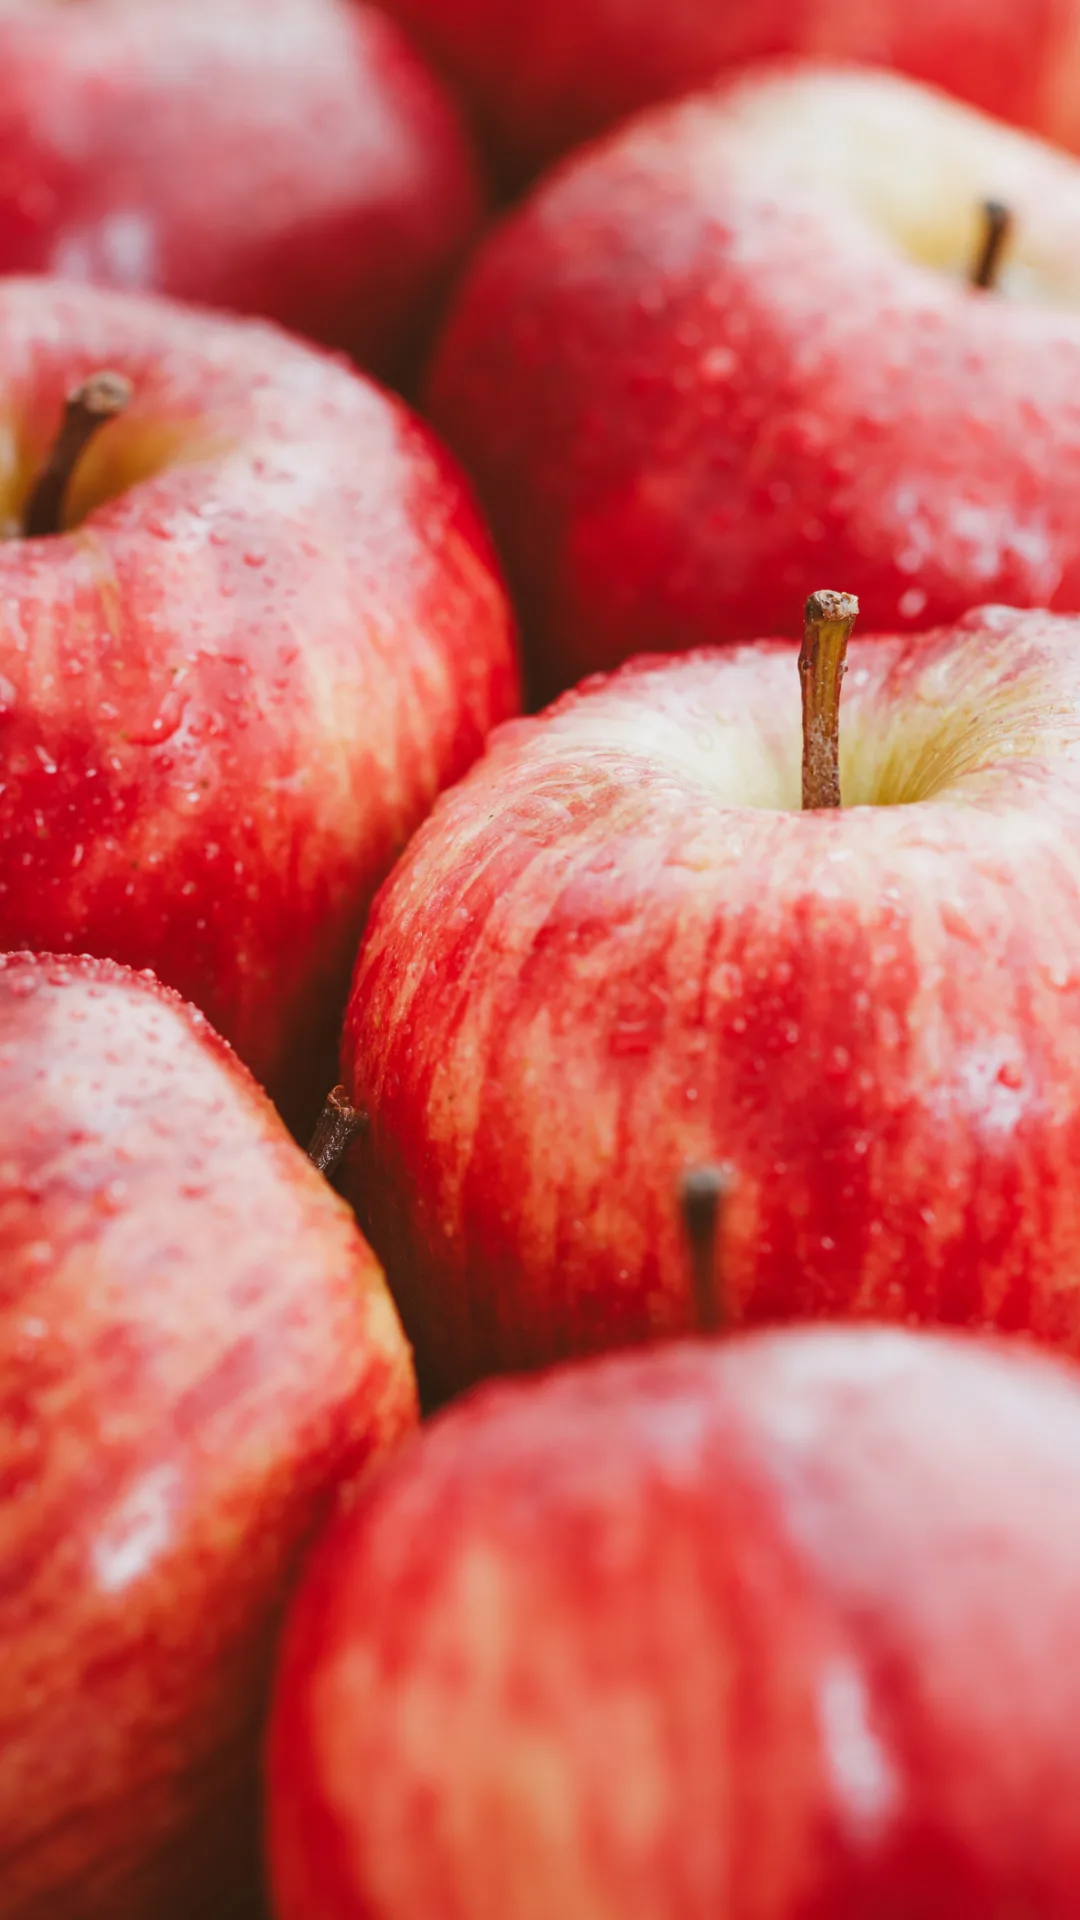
(541, 78)
(230, 691)
(618, 949)
(293, 158)
(196, 1351)
(774, 1628)
(733, 349)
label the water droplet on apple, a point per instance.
(110, 1198)
(164, 723)
(911, 604)
(718, 365)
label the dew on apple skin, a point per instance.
(165, 722)
(912, 603)
(111, 1198)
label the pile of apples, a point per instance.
(701, 1048)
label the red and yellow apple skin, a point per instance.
(543, 78)
(617, 950)
(773, 1628)
(232, 690)
(197, 1351)
(732, 351)
(294, 159)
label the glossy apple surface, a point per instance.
(770, 1628)
(196, 1351)
(293, 158)
(230, 691)
(542, 78)
(732, 351)
(618, 950)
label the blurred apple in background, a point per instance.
(293, 158)
(733, 350)
(772, 1628)
(618, 949)
(232, 687)
(541, 78)
(196, 1351)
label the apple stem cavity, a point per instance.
(335, 1130)
(829, 620)
(702, 1196)
(87, 409)
(997, 223)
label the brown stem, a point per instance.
(829, 620)
(335, 1130)
(87, 409)
(703, 1192)
(997, 222)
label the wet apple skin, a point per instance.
(229, 695)
(767, 1627)
(296, 160)
(689, 393)
(596, 967)
(197, 1351)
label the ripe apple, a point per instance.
(618, 948)
(732, 350)
(767, 1628)
(196, 1351)
(293, 158)
(542, 78)
(229, 691)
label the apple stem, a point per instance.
(87, 409)
(829, 620)
(335, 1130)
(702, 1194)
(997, 222)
